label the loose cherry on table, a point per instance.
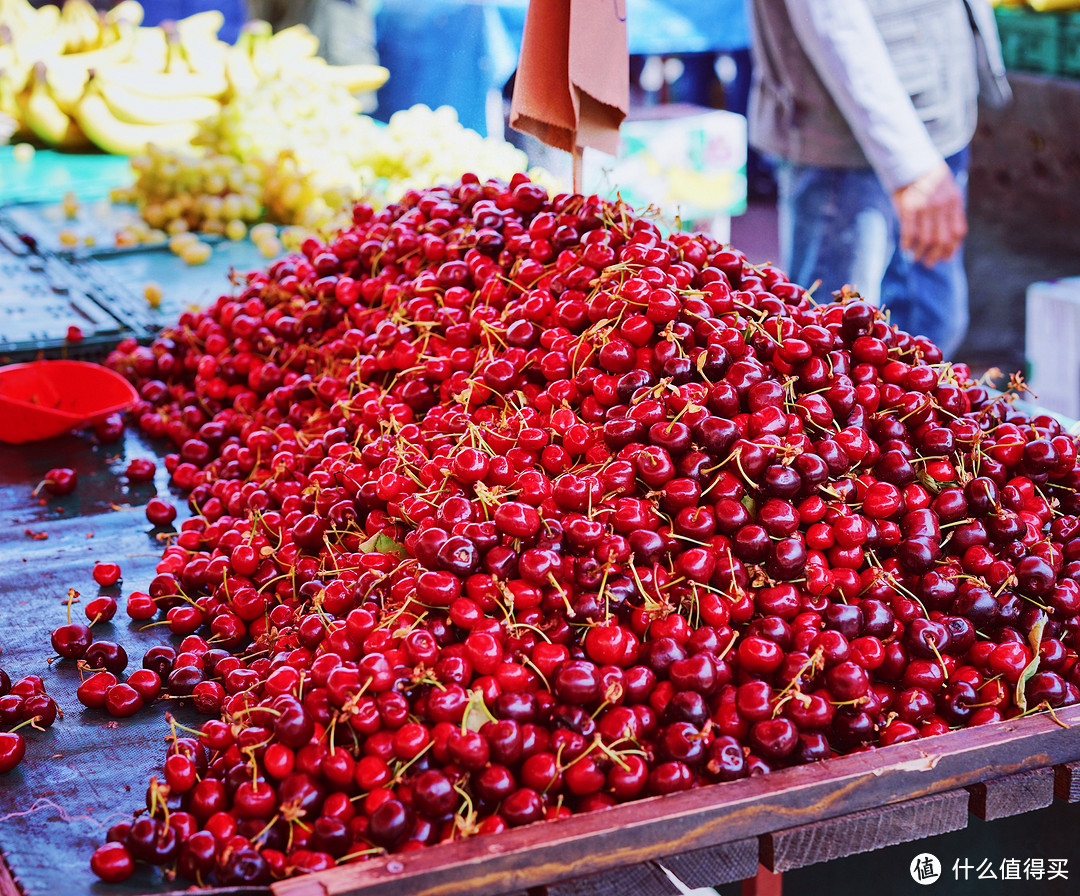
(60, 481)
(106, 573)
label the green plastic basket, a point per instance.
(1030, 41)
(1069, 55)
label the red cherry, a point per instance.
(60, 481)
(106, 574)
(122, 700)
(517, 519)
(141, 605)
(160, 512)
(71, 641)
(146, 683)
(140, 470)
(100, 609)
(112, 863)
(12, 750)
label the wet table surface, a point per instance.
(89, 770)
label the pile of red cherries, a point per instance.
(509, 507)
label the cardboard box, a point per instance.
(687, 161)
(1052, 345)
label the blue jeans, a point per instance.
(838, 226)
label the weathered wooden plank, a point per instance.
(737, 860)
(710, 867)
(653, 828)
(863, 831)
(1013, 794)
(1067, 782)
(644, 879)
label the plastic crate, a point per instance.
(41, 297)
(119, 277)
(92, 228)
(1030, 41)
(1069, 50)
(1052, 344)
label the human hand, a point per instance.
(933, 222)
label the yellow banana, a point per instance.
(68, 74)
(118, 51)
(17, 56)
(161, 85)
(80, 23)
(7, 95)
(149, 49)
(91, 20)
(139, 109)
(18, 15)
(66, 86)
(354, 78)
(175, 62)
(256, 29)
(31, 48)
(207, 58)
(266, 66)
(46, 119)
(16, 72)
(129, 11)
(274, 54)
(204, 53)
(123, 138)
(46, 21)
(294, 42)
(239, 69)
(9, 105)
(111, 32)
(201, 24)
(94, 25)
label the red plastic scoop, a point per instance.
(42, 399)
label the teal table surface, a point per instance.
(49, 175)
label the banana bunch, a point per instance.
(26, 35)
(160, 97)
(21, 19)
(260, 56)
(72, 78)
(44, 118)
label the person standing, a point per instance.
(868, 108)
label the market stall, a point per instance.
(498, 539)
(706, 836)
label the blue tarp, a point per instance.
(235, 11)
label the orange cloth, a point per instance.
(573, 82)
